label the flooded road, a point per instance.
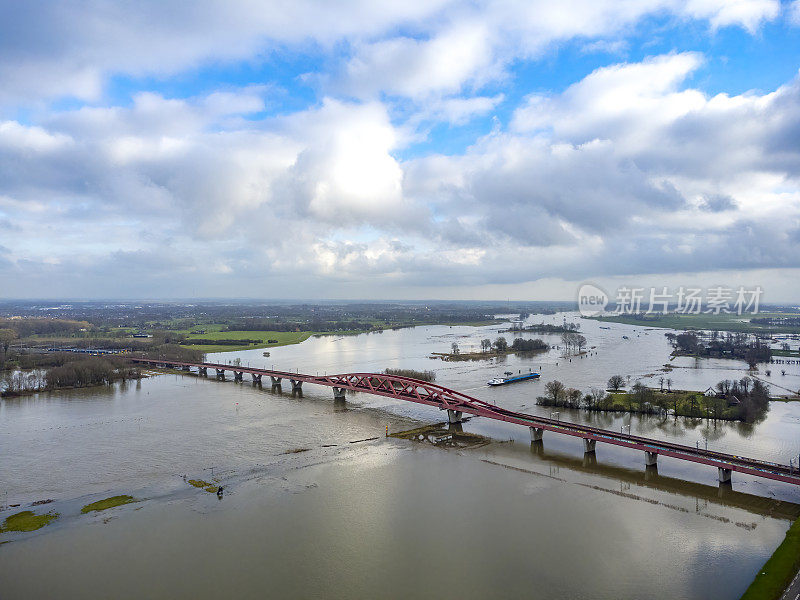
(319, 503)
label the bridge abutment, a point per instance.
(536, 434)
(454, 416)
(650, 459)
(724, 475)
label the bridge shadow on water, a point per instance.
(647, 477)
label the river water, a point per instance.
(319, 503)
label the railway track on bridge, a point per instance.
(457, 403)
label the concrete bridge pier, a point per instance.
(237, 375)
(186, 368)
(256, 379)
(536, 434)
(650, 458)
(589, 459)
(588, 445)
(650, 472)
(338, 394)
(297, 386)
(455, 428)
(454, 416)
(202, 371)
(724, 475)
(220, 373)
(276, 381)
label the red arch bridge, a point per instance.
(456, 404)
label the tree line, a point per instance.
(745, 399)
(718, 345)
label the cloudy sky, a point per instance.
(384, 149)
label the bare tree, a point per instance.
(615, 382)
(555, 390)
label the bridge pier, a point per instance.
(338, 394)
(203, 371)
(724, 475)
(650, 472)
(237, 375)
(276, 381)
(186, 368)
(453, 416)
(256, 378)
(650, 458)
(297, 386)
(588, 445)
(536, 434)
(220, 373)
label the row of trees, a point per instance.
(745, 400)
(78, 373)
(501, 345)
(571, 340)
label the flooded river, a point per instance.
(319, 503)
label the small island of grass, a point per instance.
(209, 487)
(27, 520)
(489, 349)
(108, 503)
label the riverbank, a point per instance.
(778, 572)
(709, 322)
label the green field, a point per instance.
(777, 573)
(284, 338)
(721, 322)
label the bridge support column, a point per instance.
(453, 416)
(203, 371)
(338, 394)
(186, 368)
(276, 381)
(297, 386)
(536, 434)
(588, 445)
(220, 373)
(237, 375)
(256, 378)
(724, 475)
(650, 458)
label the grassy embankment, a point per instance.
(777, 573)
(721, 322)
(27, 520)
(481, 355)
(107, 503)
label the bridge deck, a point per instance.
(421, 392)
